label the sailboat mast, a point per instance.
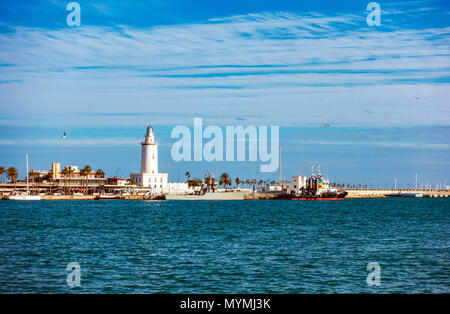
(27, 173)
(279, 170)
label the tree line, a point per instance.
(225, 181)
(12, 174)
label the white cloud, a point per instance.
(287, 68)
(420, 145)
(86, 142)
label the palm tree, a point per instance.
(247, 183)
(100, 174)
(260, 182)
(238, 181)
(67, 172)
(2, 171)
(64, 173)
(33, 175)
(82, 174)
(196, 182)
(272, 182)
(87, 170)
(188, 175)
(12, 175)
(225, 180)
(50, 175)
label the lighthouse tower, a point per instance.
(149, 175)
(149, 156)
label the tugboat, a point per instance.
(317, 188)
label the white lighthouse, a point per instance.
(149, 175)
(149, 156)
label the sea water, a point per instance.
(225, 246)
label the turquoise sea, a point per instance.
(226, 246)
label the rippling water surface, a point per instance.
(225, 246)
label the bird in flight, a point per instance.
(64, 135)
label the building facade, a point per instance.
(294, 186)
(73, 181)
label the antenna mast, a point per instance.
(279, 170)
(27, 172)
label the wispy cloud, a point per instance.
(86, 142)
(309, 65)
(419, 145)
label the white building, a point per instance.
(149, 175)
(269, 189)
(295, 185)
(178, 188)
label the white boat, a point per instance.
(108, 197)
(25, 197)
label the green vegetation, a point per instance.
(225, 180)
(2, 171)
(12, 175)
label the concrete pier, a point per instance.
(373, 193)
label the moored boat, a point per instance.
(26, 197)
(108, 197)
(317, 188)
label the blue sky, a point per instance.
(296, 64)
